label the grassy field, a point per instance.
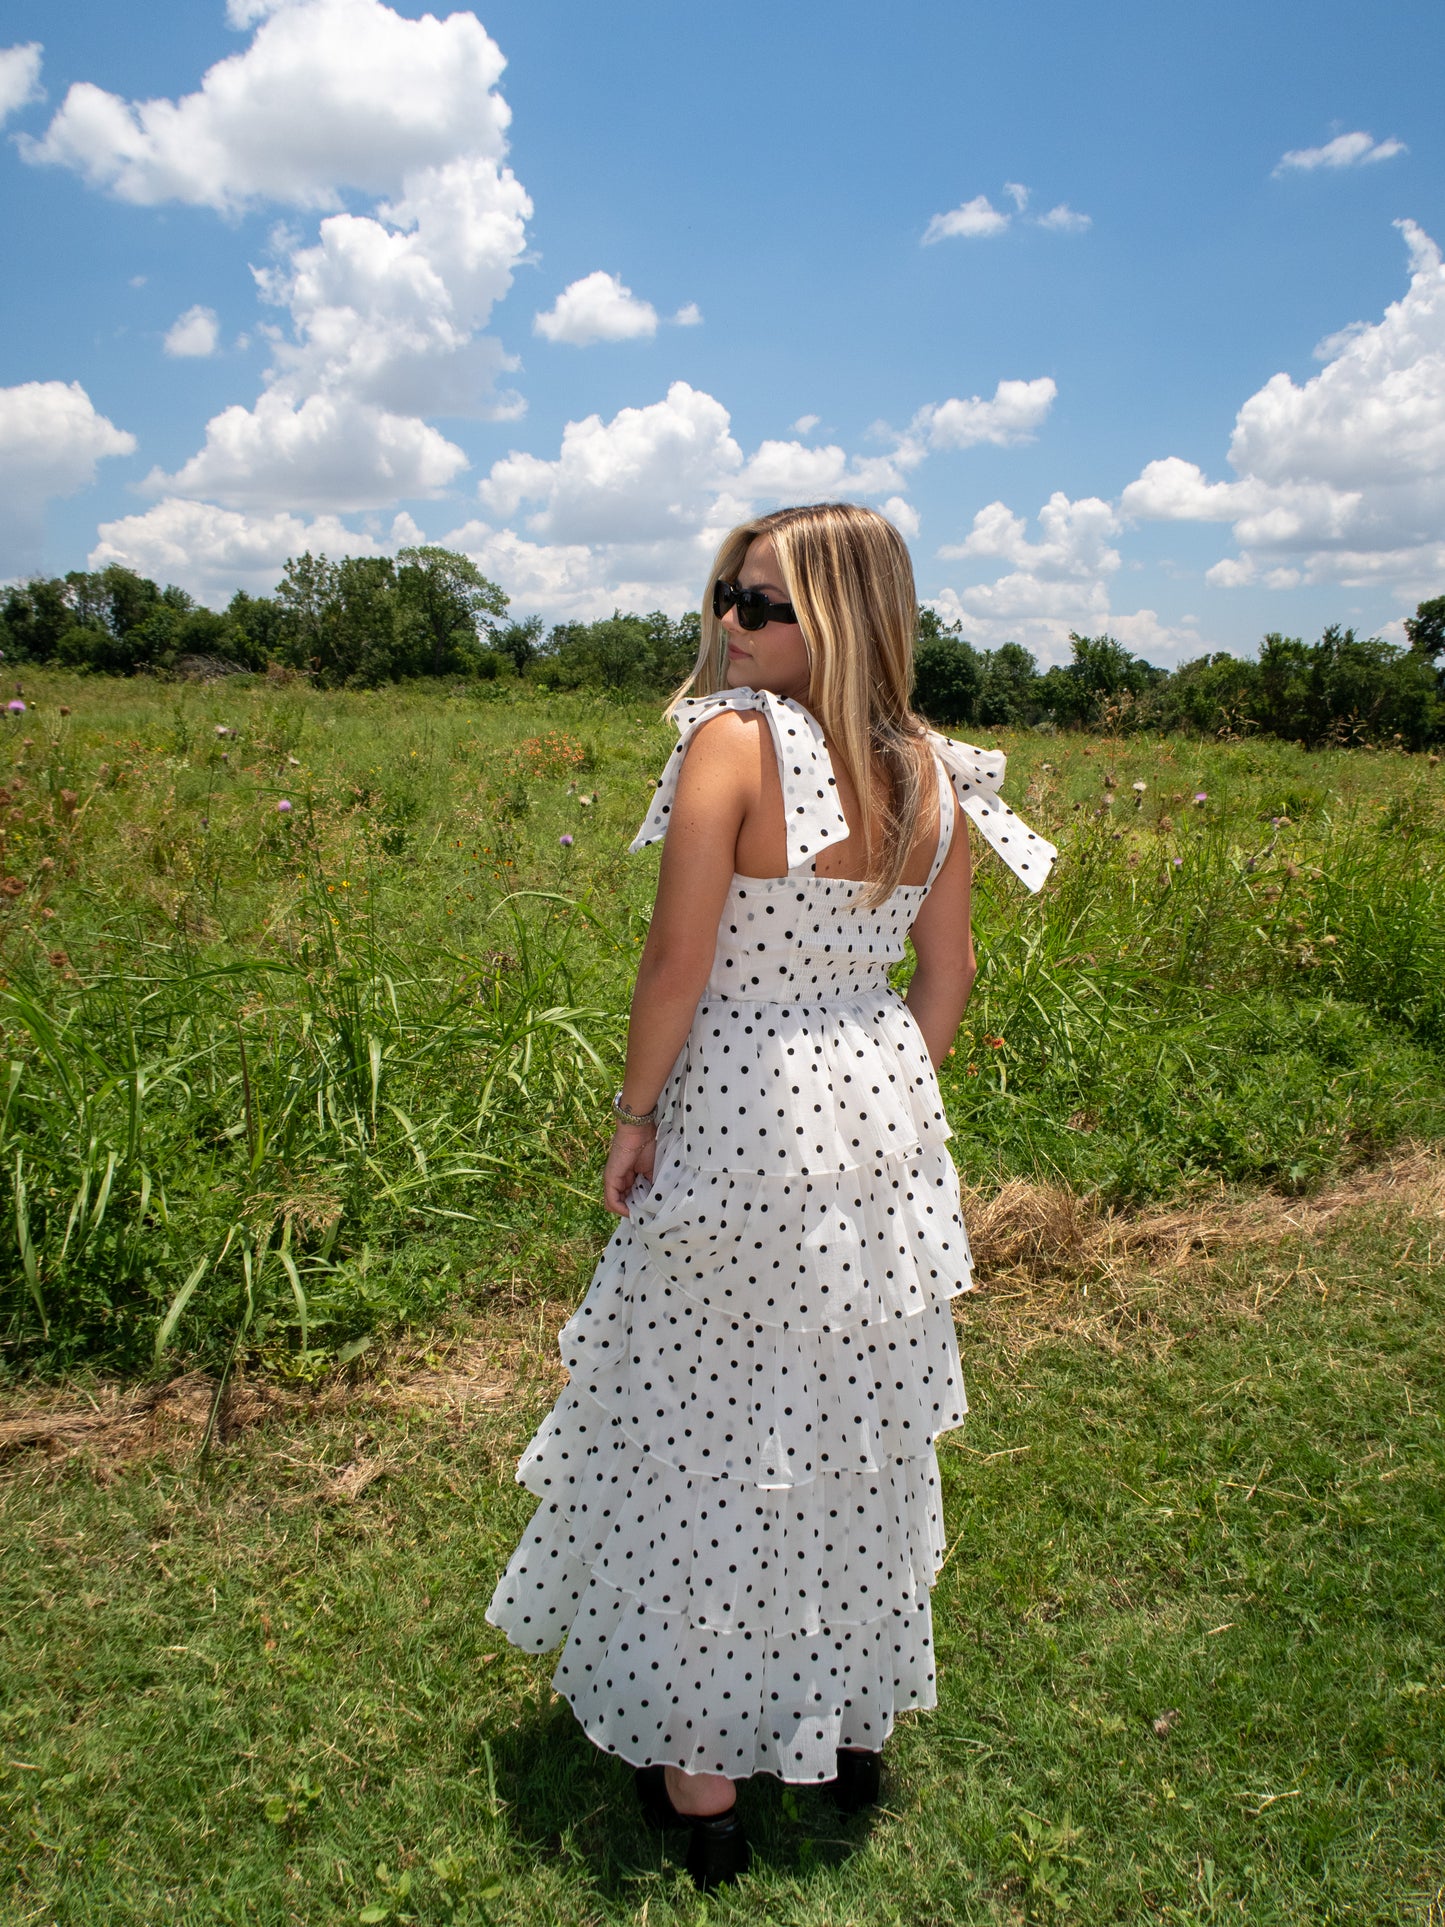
(310, 1010)
(285, 1084)
(1191, 1652)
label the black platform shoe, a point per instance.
(718, 1852)
(858, 1782)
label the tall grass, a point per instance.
(275, 1077)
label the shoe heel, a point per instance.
(859, 1781)
(718, 1852)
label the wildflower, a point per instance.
(15, 706)
(1111, 781)
(585, 801)
(1166, 823)
(1200, 796)
(994, 1043)
(1046, 766)
(222, 730)
(68, 800)
(284, 807)
(1179, 863)
(565, 841)
(58, 960)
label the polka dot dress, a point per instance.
(739, 1516)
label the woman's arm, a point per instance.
(717, 784)
(943, 944)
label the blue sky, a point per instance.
(1133, 317)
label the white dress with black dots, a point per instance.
(739, 1519)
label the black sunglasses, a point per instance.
(753, 607)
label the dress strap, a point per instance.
(812, 812)
(945, 822)
(977, 778)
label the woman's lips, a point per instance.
(737, 655)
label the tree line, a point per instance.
(1342, 689)
(365, 621)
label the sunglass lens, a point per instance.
(752, 608)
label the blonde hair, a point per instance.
(847, 573)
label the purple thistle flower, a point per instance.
(1201, 796)
(284, 807)
(1179, 863)
(565, 841)
(15, 706)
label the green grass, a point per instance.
(274, 1083)
(1219, 1500)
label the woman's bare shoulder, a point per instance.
(731, 735)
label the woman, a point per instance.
(740, 1515)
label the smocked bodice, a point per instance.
(801, 938)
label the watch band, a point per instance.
(624, 1116)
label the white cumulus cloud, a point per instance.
(19, 78)
(386, 308)
(213, 551)
(320, 453)
(647, 472)
(630, 509)
(1052, 583)
(330, 94)
(1345, 150)
(1065, 220)
(1340, 478)
(971, 221)
(1014, 413)
(51, 439)
(978, 218)
(597, 308)
(194, 333)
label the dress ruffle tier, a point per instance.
(739, 1518)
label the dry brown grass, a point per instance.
(1050, 1264)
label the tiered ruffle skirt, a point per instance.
(739, 1518)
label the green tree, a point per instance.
(1426, 628)
(1008, 696)
(457, 608)
(518, 641)
(33, 617)
(947, 673)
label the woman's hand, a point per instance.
(629, 1157)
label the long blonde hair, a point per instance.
(847, 573)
